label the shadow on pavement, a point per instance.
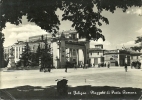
(73, 93)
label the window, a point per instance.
(74, 53)
(73, 36)
(16, 52)
(98, 53)
(111, 58)
(49, 46)
(16, 48)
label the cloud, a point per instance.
(128, 12)
(139, 31)
(129, 44)
(138, 11)
(100, 41)
(135, 11)
(22, 32)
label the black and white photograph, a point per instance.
(70, 49)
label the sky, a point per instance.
(122, 30)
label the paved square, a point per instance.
(113, 76)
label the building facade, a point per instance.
(120, 57)
(96, 55)
(66, 47)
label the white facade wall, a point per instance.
(55, 47)
(99, 60)
(97, 55)
(92, 61)
(68, 54)
(17, 52)
(81, 56)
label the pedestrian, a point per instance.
(131, 65)
(86, 66)
(105, 64)
(108, 65)
(81, 64)
(94, 65)
(75, 65)
(140, 65)
(66, 66)
(98, 65)
(125, 67)
(49, 68)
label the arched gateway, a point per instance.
(68, 50)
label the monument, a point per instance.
(11, 62)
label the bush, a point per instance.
(6, 63)
(136, 64)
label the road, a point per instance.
(113, 76)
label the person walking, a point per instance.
(75, 65)
(108, 65)
(66, 66)
(131, 65)
(125, 67)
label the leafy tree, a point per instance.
(38, 53)
(33, 59)
(138, 40)
(46, 56)
(85, 20)
(25, 56)
(1, 50)
(135, 48)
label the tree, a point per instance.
(1, 50)
(85, 20)
(80, 12)
(138, 40)
(33, 59)
(46, 55)
(25, 56)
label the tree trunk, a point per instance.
(1, 55)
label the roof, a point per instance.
(98, 44)
(96, 49)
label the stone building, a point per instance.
(120, 57)
(116, 57)
(6, 52)
(96, 55)
(65, 47)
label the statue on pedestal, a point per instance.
(11, 62)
